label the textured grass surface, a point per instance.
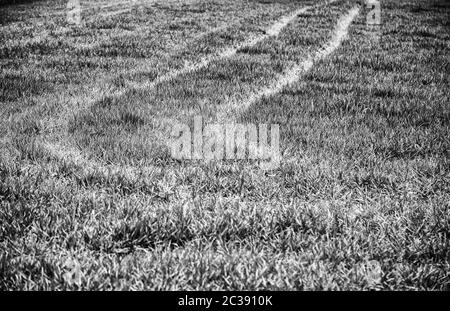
(91, 199)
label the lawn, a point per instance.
(91, 197)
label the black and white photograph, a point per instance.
(224, 146)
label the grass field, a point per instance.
(90, 197)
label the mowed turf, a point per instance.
(360, 201)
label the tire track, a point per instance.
(229, 52)
(71, 154)
(294, 74)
